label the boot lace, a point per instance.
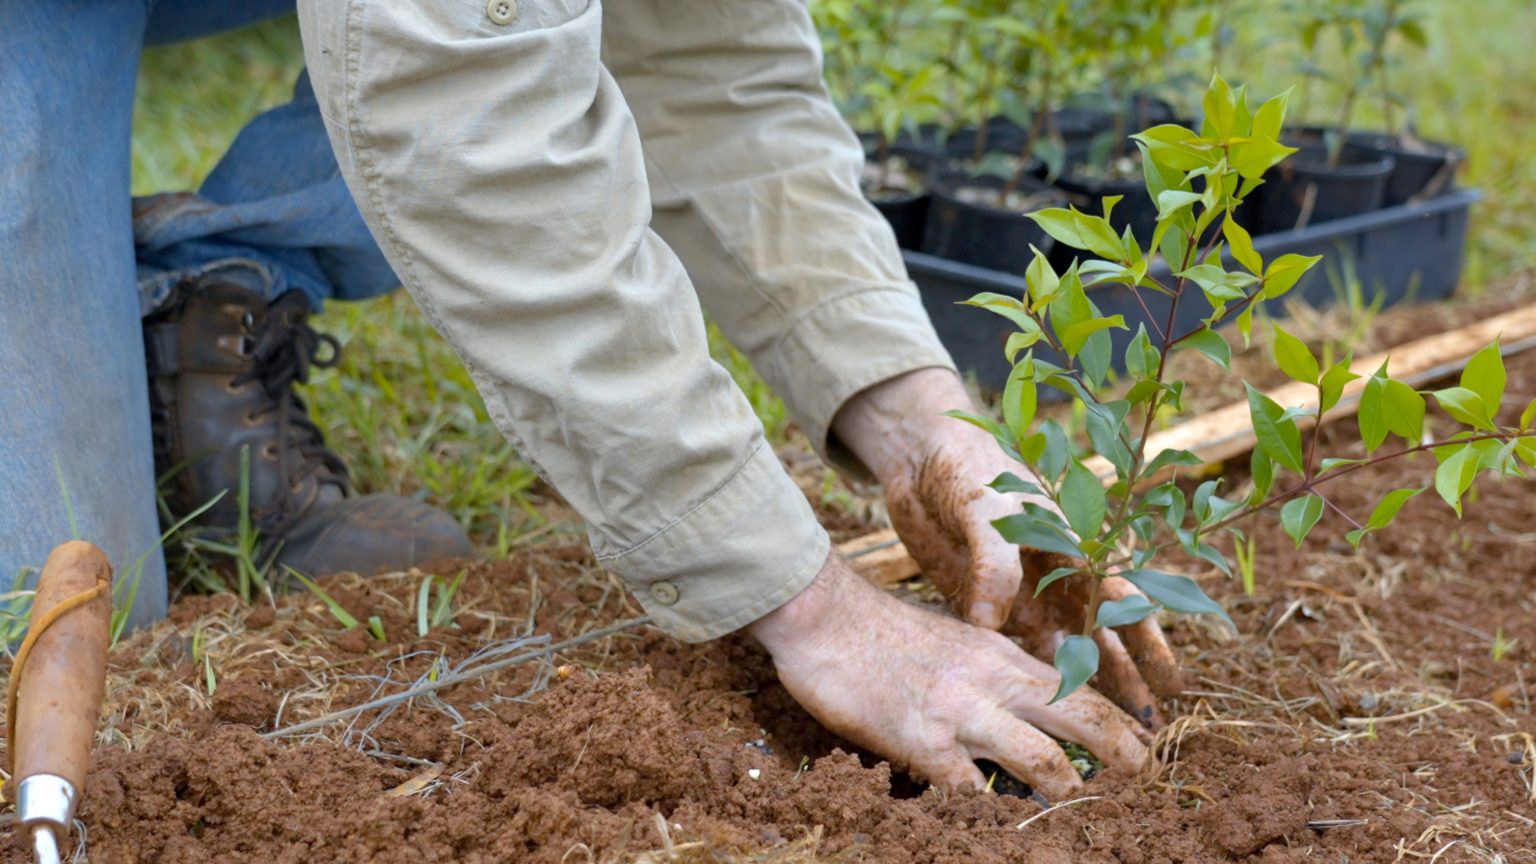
(283, 349)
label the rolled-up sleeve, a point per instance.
(756, 182)
(501, 172)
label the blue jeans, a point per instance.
(80, 263)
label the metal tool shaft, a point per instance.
(44, 845)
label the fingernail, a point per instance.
(984, 614)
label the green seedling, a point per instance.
(1363, 34)
(1501, 646)
(200, 655)
(251, 566)
(1118, 524)
(376, 628)
(1246, 551)
(347, 619)
(431, 615)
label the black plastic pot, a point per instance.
(1003, 136)
(906, 211)
(1404, 253)
(1357, 185)
(981, 235)
(1423, 169)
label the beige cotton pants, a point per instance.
(559, 183)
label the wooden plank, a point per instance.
(879, 557)
(1228, 432)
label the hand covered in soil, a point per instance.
(935, 470)
(933, 694)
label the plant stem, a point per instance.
(1373, 63)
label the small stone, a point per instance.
(754, 773)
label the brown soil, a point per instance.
(1360, 716)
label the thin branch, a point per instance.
(460, 677)
(1339, 510)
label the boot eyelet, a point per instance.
(252, 418)
(269, 452)
(234, 389)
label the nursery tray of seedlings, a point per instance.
(1411, 252)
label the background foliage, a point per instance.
(401, 410)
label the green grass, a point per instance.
(403, 413)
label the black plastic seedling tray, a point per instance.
(1411, 252)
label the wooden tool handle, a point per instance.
(64, 675)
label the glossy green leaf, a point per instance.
(1124, 612)
(1053, 459)
(1294, 358)
(1333, 383)
(1241, 244)
(1270, 118)
(1254, 156)
(1009, 307)
(1172, 457)
(1080, 231)
(1055, 576)
(1020, 341)
(1019, 399)
(1176, 148)
(1010, 482)
(1386, 510)
(1041, 280)
(1025, 530)
(1298, 516)
(1403, 411)
(1527, 416)
(1263, 470)
(1465, 405)
(1213, 345)
(1077, 660)
(1082, 500)
(1220, 110)
(1455, 476)
(1485, 376)
(1141, 359)
(1280, 438)
(1179, 593)
(1074, 337)
(1284, 272)
(1105, 422)
(1171, 201)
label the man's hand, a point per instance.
(934, 470)
(933, 694)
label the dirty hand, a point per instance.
(933, 694)
(934, 469)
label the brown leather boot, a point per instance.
(222, 365)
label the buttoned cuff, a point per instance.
(739, 554)
(847, 345)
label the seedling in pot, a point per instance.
(1362, 32)
(1345, 173)
(1111, 530)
